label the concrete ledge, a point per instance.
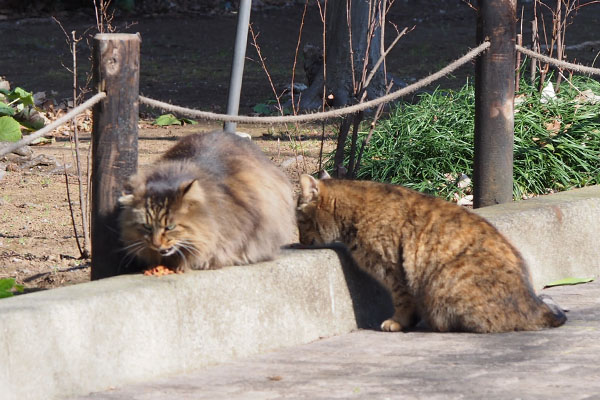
(558, 234)
(128, 329)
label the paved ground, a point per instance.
(561, 363)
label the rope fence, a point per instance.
(338, 112)
(335, 113)
(557, 63)
(65, 118)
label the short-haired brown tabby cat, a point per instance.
(213, 199)
(439, 261)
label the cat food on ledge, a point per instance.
(160, 270)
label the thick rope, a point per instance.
(557, 63)
(320, 115)
(298, 118)
(65, 118)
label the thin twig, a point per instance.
(277, 96)
(323, 15)
(294, 110)
(350, 46)
(384, 55)
(82, 204)
(71, 211)
(471, 6)
(518, 66)
(367, 140)
(264, 67)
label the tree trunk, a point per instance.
(345, 69)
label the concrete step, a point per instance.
(122, 330)
(551, 364)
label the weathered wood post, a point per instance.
(114, 142)
(494, 103)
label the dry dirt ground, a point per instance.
(37, 241)
(185, 60)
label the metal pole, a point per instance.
(494, 103)
(237, 67)
(114, 142)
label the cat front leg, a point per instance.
(405, 315)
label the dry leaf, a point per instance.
(587, 96)
(553, 127)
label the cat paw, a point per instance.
(389, 325)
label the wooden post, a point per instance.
(494, 103)
(116, 60)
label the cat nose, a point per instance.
(164, 252)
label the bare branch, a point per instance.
(323, 14)
(264, 67)
(294, 110)
(468, 3)
(383, 56)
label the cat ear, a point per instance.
(126, 200)
(309, 187)
(324, 175)
(192, 191)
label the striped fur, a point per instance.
(441, 262)
(212, 200)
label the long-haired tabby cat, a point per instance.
(440, 262)
(212, 200)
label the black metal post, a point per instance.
(494, 103)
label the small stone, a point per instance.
(465, 201)
(23, 151)
(12, 167)
(4, 84)
(463, 181)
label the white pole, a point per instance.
(237, 67)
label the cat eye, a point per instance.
(147, 227)
(170, 227)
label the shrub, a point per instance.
(426, 146)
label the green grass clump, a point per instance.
(426, 146)
(8, 287)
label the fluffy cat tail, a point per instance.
(553, 315)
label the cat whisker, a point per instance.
(134, 244)
(190, 247)
(182, 255)
(131, 252)
(125, 248)
(128, 259)
(110, 228)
